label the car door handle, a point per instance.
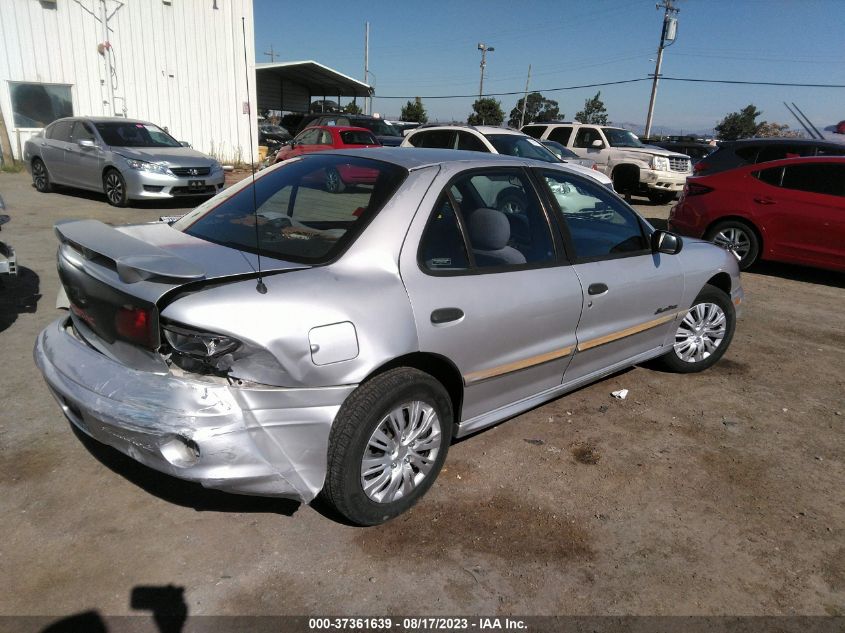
(764, 201)
(446, 315)
(597, 289)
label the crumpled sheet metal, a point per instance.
(253, 440)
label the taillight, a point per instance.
(695, 189)
(134, 325)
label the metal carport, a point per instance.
(291, 86)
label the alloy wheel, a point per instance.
(734, 239)
(400, 452)
(700, 333)
(39, 175)
(114, 189)
(333, 182)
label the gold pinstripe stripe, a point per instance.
(634, 329)
(539, 359)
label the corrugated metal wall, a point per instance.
(179, 64)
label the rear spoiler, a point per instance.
(134, 259)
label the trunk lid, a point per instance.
(114, 278)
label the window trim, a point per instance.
(558, 259)
(566, 235)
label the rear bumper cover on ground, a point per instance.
(253, 440)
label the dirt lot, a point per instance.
(717, 493)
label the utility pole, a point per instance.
(271, 54)
(667, 38)
(367, 65)
(525, 99)
(483, 48)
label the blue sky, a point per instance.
(430, 49)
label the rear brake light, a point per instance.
(134, 324)
(694, 189)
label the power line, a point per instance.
(624, 81)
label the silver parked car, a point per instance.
(125, 159)
(338, 342)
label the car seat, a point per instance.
(490, 232)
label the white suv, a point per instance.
(491, 139)
(634, 167)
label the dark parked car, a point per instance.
(696, 150)
(385, 133)
(750, 151)
(790, 210)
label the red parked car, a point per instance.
(320, 138)
(790, 210)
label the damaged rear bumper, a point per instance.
(257, 440)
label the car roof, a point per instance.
(337, 128)
(418, 157)
(776, 141)
(482, 129)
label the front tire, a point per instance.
(704, 334)
(738, 237)
(114, 186)
(41, 177)
(387, 445)
(334, 183)
(661, 197)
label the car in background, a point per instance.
(403, 126)
(123, 158)
(696, 150)
(732, 154)
(493, 140)
(790, 210)
(273, 135)
(327, 137)
(8, 259)
(386, 134)
(281, 340)
(568, 156)
(635, 168)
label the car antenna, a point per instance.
(260, 287)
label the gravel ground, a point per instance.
(716, 493)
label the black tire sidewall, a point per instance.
(708, 294)
(510, 194)
(345, 465)
(47, 183)
(754, 243)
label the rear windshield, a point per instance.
(307, 211)
(379, 127)
(352, 137)
(523, 146)
(135, 135)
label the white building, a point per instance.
(177, 63)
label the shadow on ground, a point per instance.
(186, 202)
(800, 273)
(177, 491)
(18, 295)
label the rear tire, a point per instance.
(387, 445)
(738, 237)
(114, 186)
(511, 200)
(704, 334)
(40, 176)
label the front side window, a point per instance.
(82, 132)
(131, 134)
(600, 225)
(498, 223)
(585, 137)
(825, 178)
(308, 137)
(301, 213)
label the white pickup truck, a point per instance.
(634, 167)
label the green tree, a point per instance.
(594, 111)
(742, 124)
(352, 108)
(537, 108)
(414, 111)
(486, 111)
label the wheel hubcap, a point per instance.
(735, 240)
(332, 180)
(114, 188)
(39, 175)
(700, 333)
(401, 452)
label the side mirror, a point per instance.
(86, 143)
(184, 143)
(597, 144)
(666, 242)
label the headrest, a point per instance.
(489, 229)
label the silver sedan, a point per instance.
(286, 339)
(124, 159)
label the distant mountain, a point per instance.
(639, 130)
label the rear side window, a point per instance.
(487, 220)
(776, 152)
(535, 131)
(443, 139)
(351, 137)
(470, 142)
(771, 176)
(561, 135)
(825, 178)
(61, 131)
